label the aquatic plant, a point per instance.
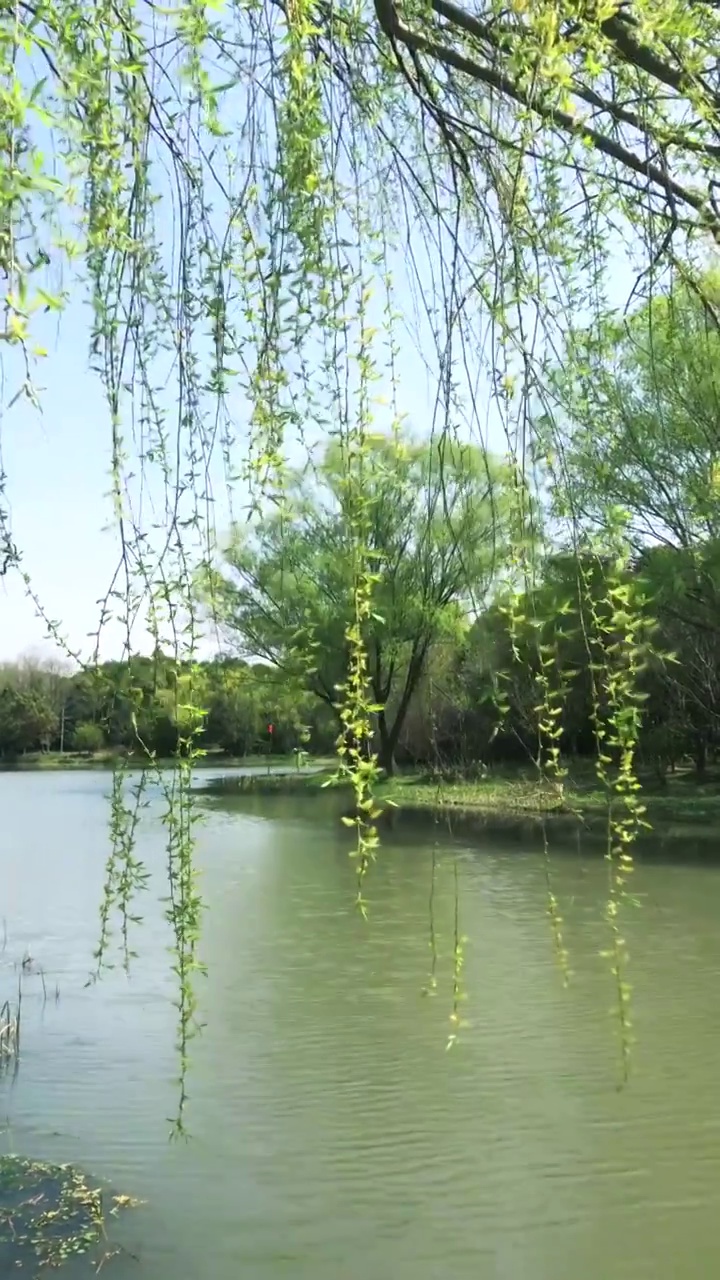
(50, 1213)
(10, 1033)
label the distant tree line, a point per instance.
(477, 702)
(121, 706)
(473, 701)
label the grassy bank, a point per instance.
(505, 793)
(511, 793)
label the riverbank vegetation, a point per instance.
(50, 715)
(506, 792)
(50, 1214)
(9, 1034)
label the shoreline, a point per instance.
(508, 795)
(54, 761)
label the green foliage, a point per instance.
(233, 188)
(125, 875)
(31, 697)
(643, 401)
(130, 708)
(436, 529)
(28, 722)
(88, 737)
(616, 651)
(50, 1214)
(682, 681)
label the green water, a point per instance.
(334, 1138)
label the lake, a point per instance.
(334, 1137)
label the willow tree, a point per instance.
(257, 197)
(642, 399)
(438, 527)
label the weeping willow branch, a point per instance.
(584, 50)
(266, 207)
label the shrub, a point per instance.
(88, 737)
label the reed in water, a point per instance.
(10, 1032)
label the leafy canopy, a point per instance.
(437, 524)
(643, 404)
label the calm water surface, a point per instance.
(334, 1138)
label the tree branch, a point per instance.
(629, 49)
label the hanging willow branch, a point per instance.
(260, 200)
(581, 71)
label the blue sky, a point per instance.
(57, 464)
(58, 470)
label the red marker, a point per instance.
(270, 728)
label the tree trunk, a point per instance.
(386, 754)
(700, 756)
(390, 736)
(660, 767)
